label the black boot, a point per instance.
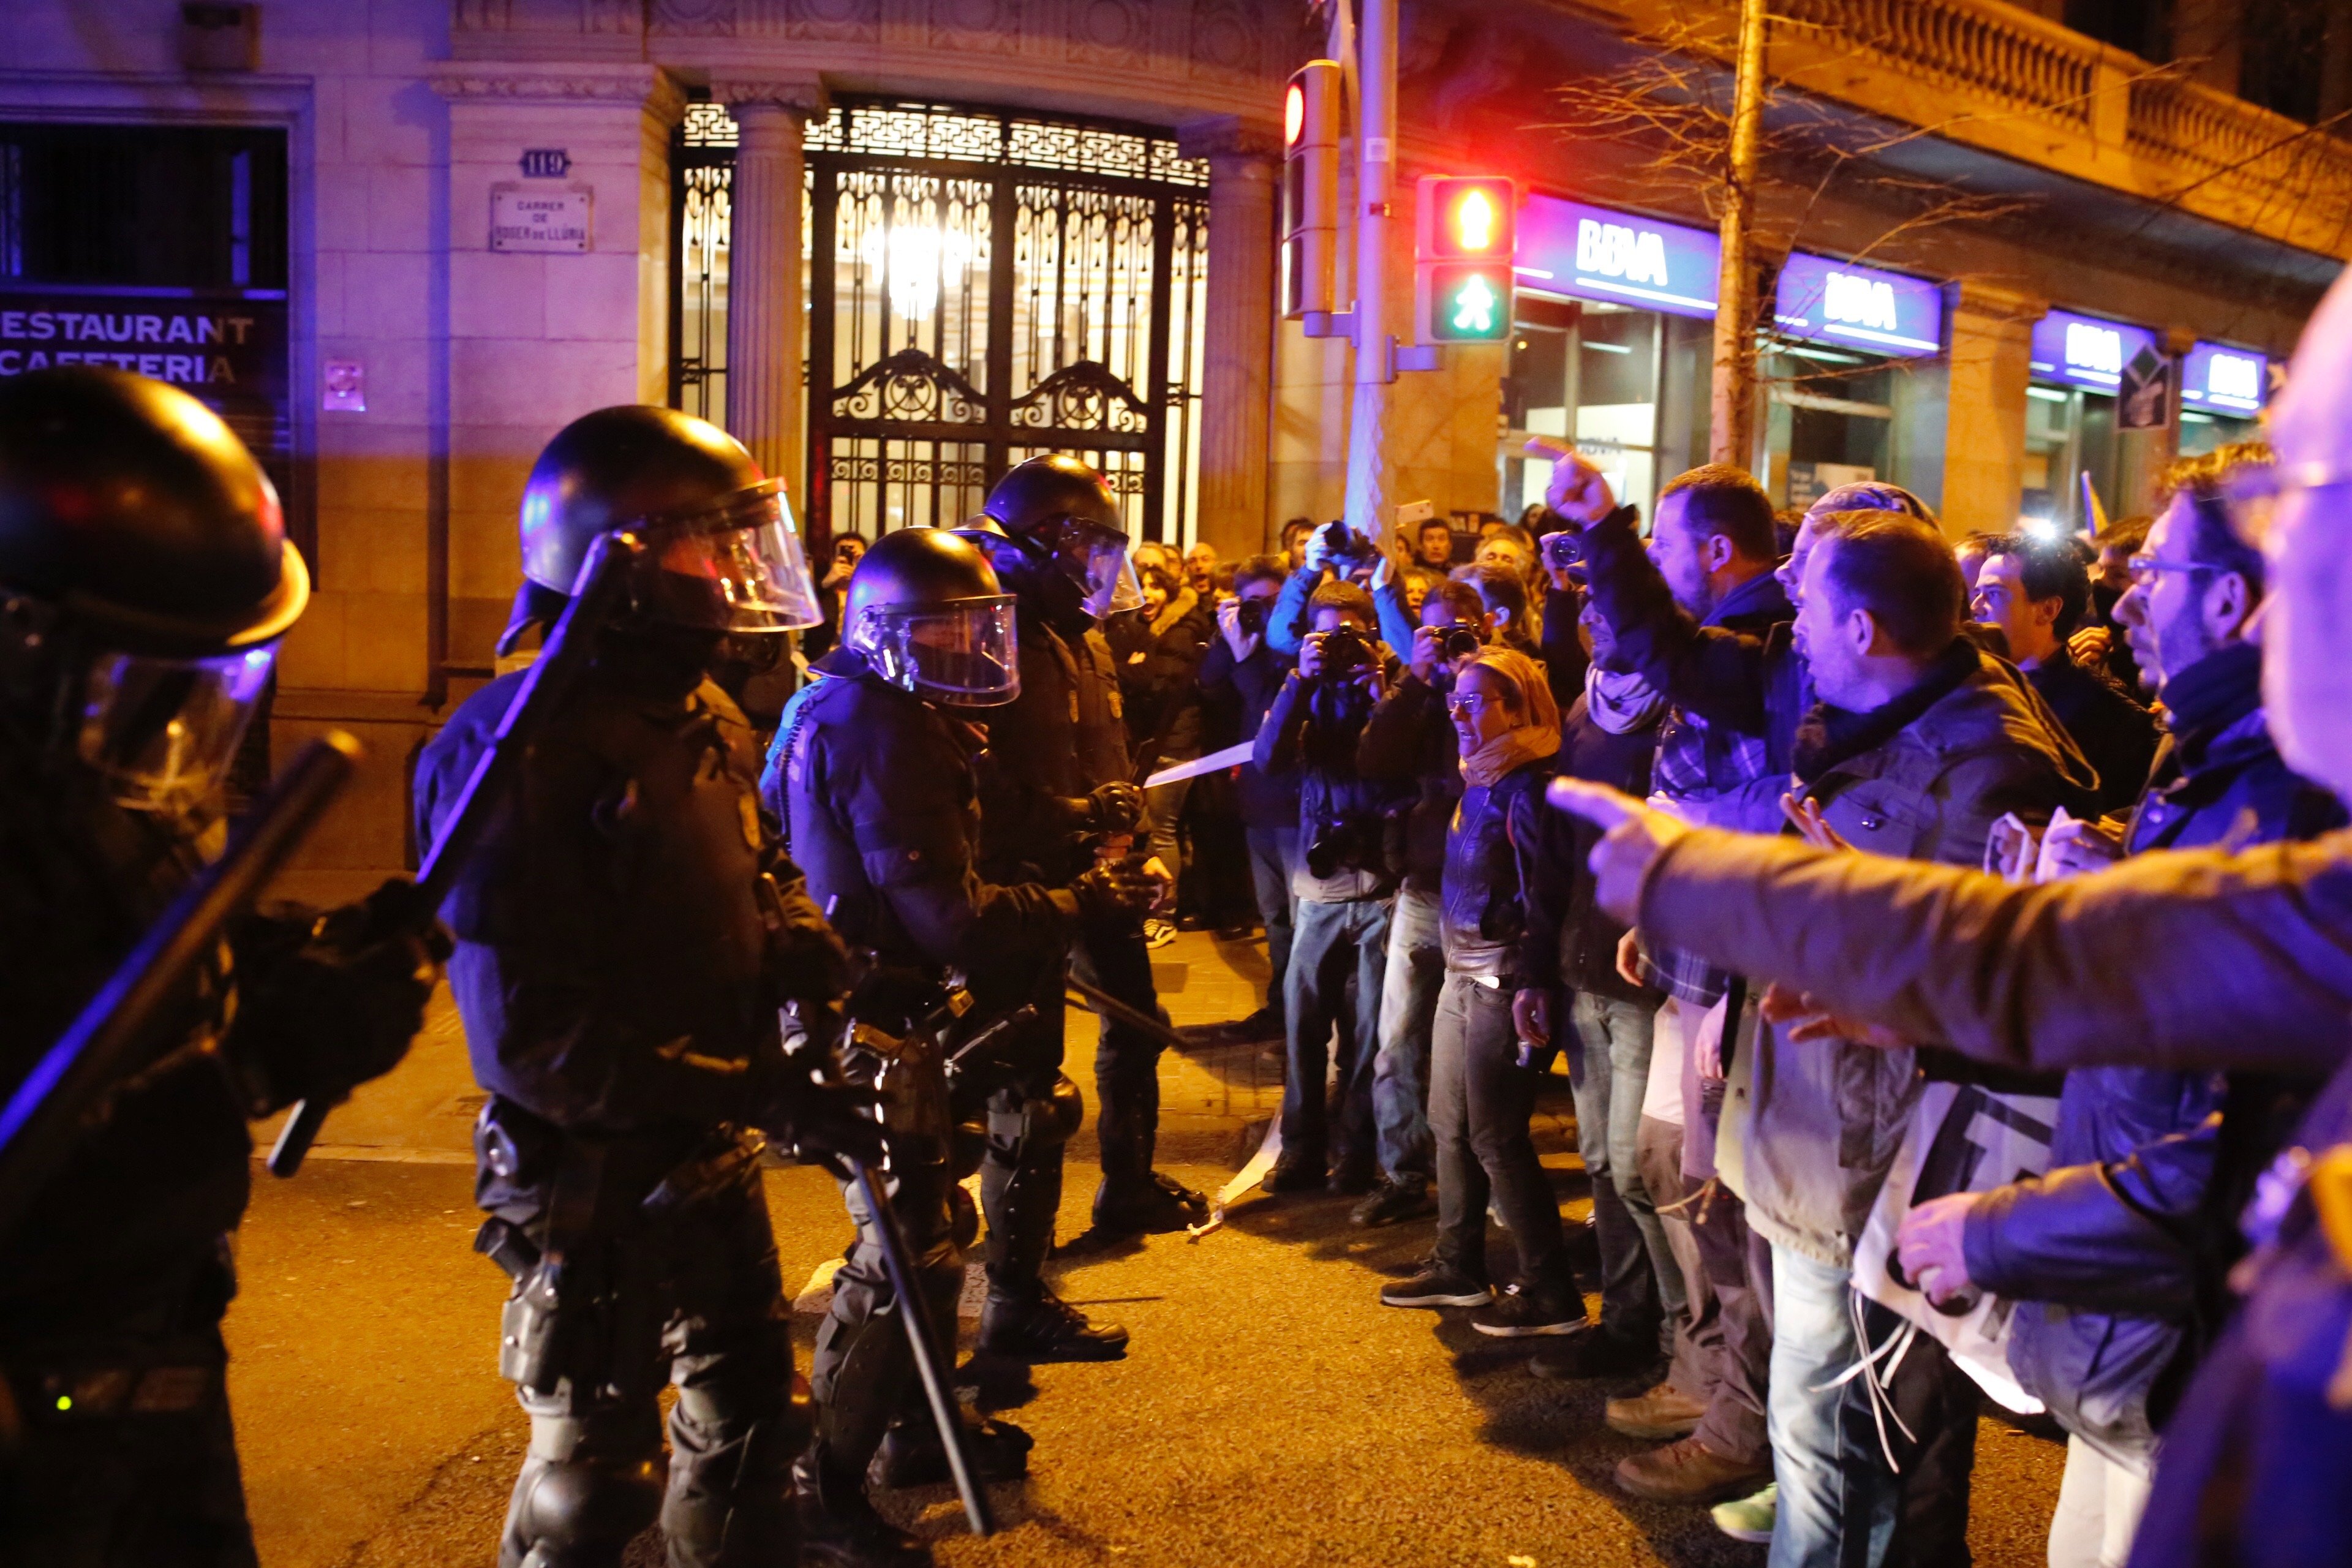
(913, 1456)
(1044, 1328)
(1148, 1204)
(839, 1528)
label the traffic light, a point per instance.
(1310, 188)
(1462, 284)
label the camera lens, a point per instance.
(1460, 641)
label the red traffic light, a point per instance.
(1469, 218)
(1294, 114)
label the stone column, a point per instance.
(1236, 407)
(765, 334)
(1984, 432)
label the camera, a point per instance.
(1346, 650)
(1347, 548)
(1342, 846)
(1459, 642)
(1563, 549)
(1250, 616)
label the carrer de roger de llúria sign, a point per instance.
(536, 217)
(227, 347)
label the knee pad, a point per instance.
(579, 1513)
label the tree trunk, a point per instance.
(1731, 423)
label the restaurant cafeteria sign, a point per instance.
(1568, 247)
(1828, 302)
(227, 348)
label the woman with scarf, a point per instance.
(1482, 1089)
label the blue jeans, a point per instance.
(1641, 1284)
(1272, 853)
(1480, 1102)
(1333, 947)
(1416, 970)
(1838, 1499)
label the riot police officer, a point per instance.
(871, 779)
(145, 582)
(1059, 781)
(625, 935)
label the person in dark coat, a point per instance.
(1160, 651)
(2034, 591)
(1242, 671)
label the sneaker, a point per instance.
(1521, 1313)
(1687, 1472)
(913, 1456)
(1158, 933)
(1295, 1173)
(1588, 1350)
(1749, 1519)
(1349, 1181)
(1437, 1285)
(1390, 1202)
(1664, 1412)
(1047, 1329)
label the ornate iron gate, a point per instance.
(982, 286)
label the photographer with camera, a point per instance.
(1559, 635)
(849, 548)
(1243, 671)
(1410, 742)
(1338, 553)
(1343, 883)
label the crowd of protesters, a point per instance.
(1812, 1268)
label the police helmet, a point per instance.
(723, 555)
(926, 610)
(145, 578)
(1059, 511)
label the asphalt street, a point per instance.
(1270, 1410)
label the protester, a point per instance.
(1433, 545)
(1503, 596)
(1239, 666)
(1481, 1081)
(1294, 535)
(2035, 590)
(1971, 552)
(1410, 742)
(849, 549)
(1159, 660)
(1342, 882)
(2096, 643)
(1201, 573)
(1510, 547)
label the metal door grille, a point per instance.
(982, 287)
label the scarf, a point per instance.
(1620, 702)
(1531, 742)
(2215, 692)
(1832, 735)
(1179, 605)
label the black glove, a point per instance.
(328, 1001)
(1113, 808)
(827, 1125)
(1116, 890)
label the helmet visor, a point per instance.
(737, 567)
(964, 653)
(1097, 558)
(162, 732)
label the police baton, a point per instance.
(915, 1311)
(601, 589)
(111, 1037)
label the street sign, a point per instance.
(2144, 396)
(540, 219)
(545, 162)
(1462, 283)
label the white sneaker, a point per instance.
(1158, 933)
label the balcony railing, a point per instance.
(1995, 77)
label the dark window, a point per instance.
(141, 206)
(2142, 26)
(2283, 51)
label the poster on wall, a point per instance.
(227, 348)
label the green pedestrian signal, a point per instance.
(1470, 301)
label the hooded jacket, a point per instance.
(1808, 1130)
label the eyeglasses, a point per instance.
(2145, 567)
(1466, 701)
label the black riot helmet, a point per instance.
(722, 555)
(145, 578)
(926, 610)
(1064, 520)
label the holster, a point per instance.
(539, 1340)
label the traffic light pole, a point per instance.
(1368, 505)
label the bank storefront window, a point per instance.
(1835, 371)
(1610, 347)
(2223, 391)
(2077, 362)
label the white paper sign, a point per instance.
(535, 217)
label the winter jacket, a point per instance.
(2107, 1255)
(1158, 676)
(1286, 622)
(1064, 736)
(1409, 742)
(1570, 941)
(1808, 1131)
(1315, 726)
(2117, 736)
(1248, 686)
(2190, 960)
(1482, 923)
